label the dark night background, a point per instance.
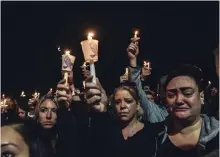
(171, 33)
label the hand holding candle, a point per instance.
(146, 70)
(147, 65)
(36, 95)
(125, 76)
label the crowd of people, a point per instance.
(178, 119)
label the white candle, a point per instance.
(92, 65)
(126, 71)
(135, 34)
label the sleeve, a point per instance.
(153, 112)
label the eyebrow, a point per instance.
(48, 108)
(6, 144)
(182, 88)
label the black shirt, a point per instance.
(106, 139)
(168, 149)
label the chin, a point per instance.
(48, 126)
(181, 116)
(124, 119)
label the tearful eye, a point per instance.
(128, 101)
(117, 102)
(188, 92)
(7, 154)
(170, 95)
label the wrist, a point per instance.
(133, 62)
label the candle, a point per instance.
(90, 48)
(90, 51)
(67, 64)
(147, 64)
(90, 35)
(126, 71)
(22, 94)
(36, 95)
(84, 84)
(135, 34)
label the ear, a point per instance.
(138, 106)
(201, 94)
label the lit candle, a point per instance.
(90, 35)
(126, 71)
(36, 95)
(135, 34)
(22, 94)
(84, 84)
(147, 64)
(92, 65)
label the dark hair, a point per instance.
(186, 70)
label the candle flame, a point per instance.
(136, 33)
(22, 94)
(210, 82)
(51, 89)
(67, 51)
(145, 63)
(90, 35)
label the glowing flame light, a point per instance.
(90, 35)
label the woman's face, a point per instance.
(126, 106)
(47, 114)
(12, 143)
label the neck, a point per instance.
(48, 133)
(128, 124)
(186, 126)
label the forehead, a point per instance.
(48, 103)
(9, 135)
(181, 82)
(122, 93)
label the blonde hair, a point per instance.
(37, 109)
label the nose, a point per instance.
(123, 105)
(179, 99)
(49, 115)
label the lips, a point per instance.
(48, 123)
(181, 109)
(123, 114)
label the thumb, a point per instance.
(62, 81)
(89, 78)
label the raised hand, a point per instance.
(64, 93)
(133, 51)
(95, 95)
